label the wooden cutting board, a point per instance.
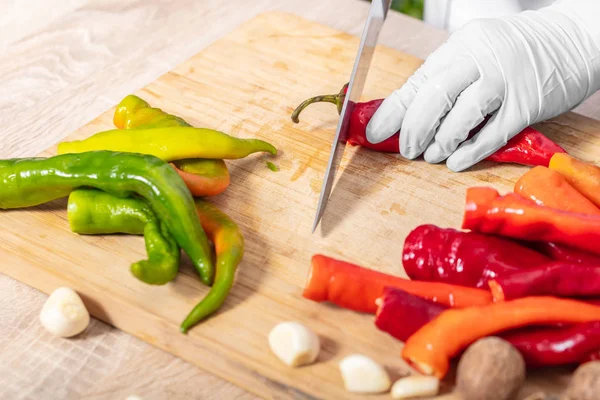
(247, 84)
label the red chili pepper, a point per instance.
(463, 258)
(557, 346)
(557, 279)
(356, 288)
(432, 347)
(401, 314)
(360, 117)
(529, 147)
(516, 217)
(593, 356)
(559, 252)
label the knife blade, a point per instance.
(377, 15)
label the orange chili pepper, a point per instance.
(432, 347)
(514, 216)
(549, 188)
(582, 176)
(356, 288)
(203, 177)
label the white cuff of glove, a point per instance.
(584, 13)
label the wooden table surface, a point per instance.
(62, 63)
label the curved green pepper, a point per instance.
(93, 212)
(170, 143)
(109, 214)
(229, 247)
(32, 181)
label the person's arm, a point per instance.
(521, 69)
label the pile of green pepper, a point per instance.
(147, 177)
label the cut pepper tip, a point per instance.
(497, 292)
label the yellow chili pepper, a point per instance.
(170, 143)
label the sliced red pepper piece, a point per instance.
(432, 347)
(356, 288)
(557, 279)
(513, 216)
(469, 259)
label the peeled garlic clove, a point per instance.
(64, 314)
(415, 386)
(294, 343)
(363, 375)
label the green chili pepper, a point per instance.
(32, 181)
(93, 212)
(224, 233)
(229, 248)
(170, 143)
(272, 166)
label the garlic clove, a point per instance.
(415, 386)
(363, 375)
(294, 344)
(64, 313)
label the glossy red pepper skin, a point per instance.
(556, 279)
(514, 216)
(529, 147)
(470, 259)
(593, 356)
(557, 346)
(357, 134)
(401, 314)
(559, 252)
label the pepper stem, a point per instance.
(337, 99)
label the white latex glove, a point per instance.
(523, 69)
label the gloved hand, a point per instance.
(523, 69)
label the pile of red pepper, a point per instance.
(525, 267)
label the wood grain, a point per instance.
(379, 196)
(61, 64)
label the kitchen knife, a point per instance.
(377, 15)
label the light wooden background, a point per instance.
(61, 64)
